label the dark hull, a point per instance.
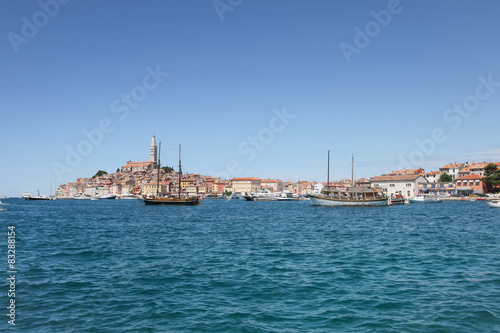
(39, 199)
(173, 202)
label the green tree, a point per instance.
(117, 169)
(100, 173)
(492, 176)
(228, 193)
(167, 169)
(445, 178)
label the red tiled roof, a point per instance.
(137, 164)
(395, 178)
(471, 177)
(270, 181)
(245, 178)
(452, 165)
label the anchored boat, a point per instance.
(495, 203)
(166, 201)
(351, 196)
(422, 198)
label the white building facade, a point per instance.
(247, 185)
(406, 185)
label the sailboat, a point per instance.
(179, 200)
(350, 196)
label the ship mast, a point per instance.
(352, 170)
(180, 171)
(158, 174)
(328, 172)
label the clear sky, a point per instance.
(250, 88)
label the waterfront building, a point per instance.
(188, 181)
(247, 185)
(406, 185)
(150, 188)
(228, 187)
(273, 185)
(191, 189)
(203, 189)
(438, 188)
(471, 184)
(115, 189)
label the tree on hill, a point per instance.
(168, 169)
(445, 178)
(492, 176)
(100, 173)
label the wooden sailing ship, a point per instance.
(350, 196)
(172, 200)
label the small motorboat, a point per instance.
(493, 203)
(107, 196)
(421, 198)
(398, 199)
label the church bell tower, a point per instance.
(153, 151)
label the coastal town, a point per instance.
(144, 178)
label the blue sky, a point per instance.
(373, 78)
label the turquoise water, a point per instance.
(120, 266)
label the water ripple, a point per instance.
(120, 266)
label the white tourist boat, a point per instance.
(354, 196)
(265, 195)
(82, 197)
(128, 196)
(495, 203)
(107, 196)
(351, 196)
(422, 198)
(28, 196)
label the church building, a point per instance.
(145, 165)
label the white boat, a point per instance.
(28, 196)
(495, 203)
(238, 196)
(82, 197)
(398, 199)
(107, 196)
(287, 196)
(127, 196)
(265, 195)
(421, 198)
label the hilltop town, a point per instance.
(143, 178)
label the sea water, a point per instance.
(121, 266)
